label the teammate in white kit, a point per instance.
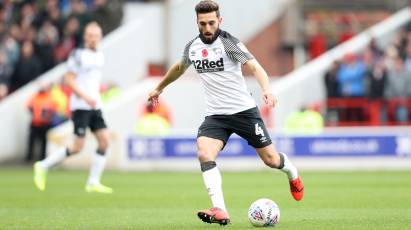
(217, 56)
(83, 77)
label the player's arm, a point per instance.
(258, 71)
(70, 81)
(172, 74)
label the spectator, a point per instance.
(52, 13)
(152, 124)
(69, 40)
(110, 92)
(47, 38)
(5, 73)
(43, 108)
(10, 46)
(28, 15)
(368, 58)
(402, 42)
(377, 81)
(351, 76)
(377, 78)
(29, 34)
(108, 14)
(57, 20)
(408, 57)
(28, 67)
(62, 104)
(351, 80)
(78, 10)
(377, 52)
(66, 6)
(305, 121)
(52, 33)
(332, 90)
(6, 11)
(331, 81)
(398, 89)
(346, 28)
(161, 109)
(317, 42)
(15, 32)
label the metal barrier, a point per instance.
(366, 112)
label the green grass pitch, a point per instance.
(333, 200)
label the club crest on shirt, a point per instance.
(218, 51)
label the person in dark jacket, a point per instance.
(27, 68)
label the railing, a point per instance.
(366, 112)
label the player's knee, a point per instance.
(204, 155)
(74, 150)
(103, 145)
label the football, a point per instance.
(264, 213)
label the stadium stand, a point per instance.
(37, 35)
(375, 90)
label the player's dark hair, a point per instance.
(207, 6)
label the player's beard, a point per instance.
(210, 39)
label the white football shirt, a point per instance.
(87, 65)
(219, 67)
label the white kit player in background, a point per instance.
(217, 57)
(83, 77)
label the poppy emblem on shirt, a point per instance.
(204, 53)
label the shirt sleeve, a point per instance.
(236, 50)
(186, 59)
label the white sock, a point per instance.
(213, 183)
(53, 159)
(289, 168)
(96, 169)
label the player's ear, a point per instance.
(220, 20)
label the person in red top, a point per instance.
(317, 45)
(346, 29)
(43, 108)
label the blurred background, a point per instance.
(341, 70)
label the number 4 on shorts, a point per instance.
(258, 130)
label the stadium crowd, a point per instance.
(373, 86)
(37, 35)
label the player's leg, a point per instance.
(249, 125)
(211, 139)
(41, 167)
(208, 149)
(280, 161)
(98, 162)
(80, 121)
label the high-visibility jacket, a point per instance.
(152, 124)
(43, 108)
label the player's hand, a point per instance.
(91, 102)
(270, 99)
(153, 96)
